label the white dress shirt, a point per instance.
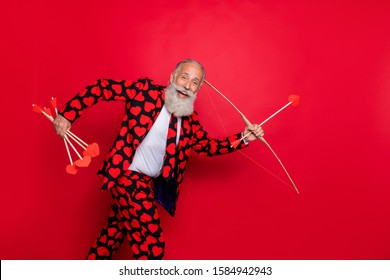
(149, 156)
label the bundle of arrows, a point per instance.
(89, 150)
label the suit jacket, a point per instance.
(143, 103)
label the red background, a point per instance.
(334, 54)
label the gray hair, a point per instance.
(189, 60)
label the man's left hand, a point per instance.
(256, 130)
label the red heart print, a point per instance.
(114, 172)
(136, 206)
(153, 227)
(135, 110)
(156, 250)
(96, 90)
(103, 251)
(123, 131)
(147, 204)
(129, 138)
(126, 214)
(126, 165)
(107, 93)
(139, 196)
(159, 103)
(117, 88)
(70, 115)
(144, 247)
(127, 151)
(153, 94)
(110, 185)
(140, 130)
(132, 123)
(111, 231)
(119, 144)
(135, 224)
(139, 85)
(122, 201)
(103, 239)
(165, 171)
(83, 92)
(88, 100)
(151, 240)
(116, 159)
(145, 218)
(75, 104)
(135, 249)
(149, 106)
(144, 119)
(138, 97)
(146, 86)
(171, 148)
(104, 83)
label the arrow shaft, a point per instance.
(67, 150)
(76, 139)
(74, 149)
(274, 114)
(270, 117)
(80, 142)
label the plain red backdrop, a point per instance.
(334, 54)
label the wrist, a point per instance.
(243, 139)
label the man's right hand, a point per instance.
(61, 125)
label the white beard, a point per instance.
(177, 105)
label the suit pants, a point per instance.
(133, 215)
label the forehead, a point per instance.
(191, 69)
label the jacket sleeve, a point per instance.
(208, 146)
(101, 90)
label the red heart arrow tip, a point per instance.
(92, 150)
(84, 162)
(294, 99)
(95, 149)
(36, 108)
(71, 169)
(53, 102)
(235, 143)
(47, 111)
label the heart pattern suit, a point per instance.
(143, 103)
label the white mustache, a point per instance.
(183, 90)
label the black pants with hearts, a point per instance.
(133, 215)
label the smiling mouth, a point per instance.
(182, 94)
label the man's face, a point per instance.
(181, 93)
(189, 77)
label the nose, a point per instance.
(187, 85)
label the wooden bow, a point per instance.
(248, 123)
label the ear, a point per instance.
(171, 79)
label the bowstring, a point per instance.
(216, 112)
(241, 152)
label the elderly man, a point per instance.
(149, 156)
